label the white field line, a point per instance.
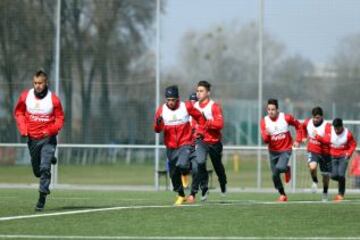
(211, 203)
(172, 237)
(86, 198)
(88, 211)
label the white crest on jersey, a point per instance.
(207, 110)
(337, 141)
(311, 128)
(39, 106)
(175, 117)
(276, 127)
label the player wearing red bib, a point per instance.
(319, 153)
(275, 133)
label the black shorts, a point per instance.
(324, 162)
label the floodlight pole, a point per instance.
(54, 169)
(260, 86)
(157, 94)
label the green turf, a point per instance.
(143, 174)
(234, 216)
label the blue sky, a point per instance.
(311, 28)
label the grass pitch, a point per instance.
(150, 215)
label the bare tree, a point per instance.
(25, 34)
(227, 56)
(346, 63)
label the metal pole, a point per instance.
(157, 95)
(293, 178)
(260, 82)
(54, 169)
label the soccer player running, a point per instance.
(319, 153)
(39, 117)
(342, 146)
(211, 143)
(199, 174)
(275, 132)
(173, 119)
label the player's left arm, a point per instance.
(54, 128)
(298, 127)
(195, 113)
(217, 123)
(352, 145)
(199, 130)
(326, 139)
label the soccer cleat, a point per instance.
(288, 174)
(223, 188)
(179, 200)
(185, 181)
(204, 194)
(41, 203)
(314, 187)
(325, 197)
(282, 198)
(338, 198)
(190, 199)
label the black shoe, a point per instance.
(41, 203)
(53, 160)
(223, 188)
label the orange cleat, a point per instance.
(282, 198)
(288, 174)
(190, 199)
(338, 198)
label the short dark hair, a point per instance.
(317, 111)
(41, 73)
(337, 122)
(273, 101)
(204, 84)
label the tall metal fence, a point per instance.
(114, 58)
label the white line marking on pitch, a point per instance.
(174, 238)
(89, 211)
(219, 203)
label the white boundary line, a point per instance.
(173, 238)
(211, 203)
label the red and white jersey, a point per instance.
(310, 131)
(176, 124)
(275, 132)
(37, 118)
(214, 120)
(341, 145)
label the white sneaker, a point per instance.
(325, 197)
(204, 196)
(314, 187)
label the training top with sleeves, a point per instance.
(214, 120)
(342, 145)
(310, 131)
(37, 118)
(275, 132)
(176, 124)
